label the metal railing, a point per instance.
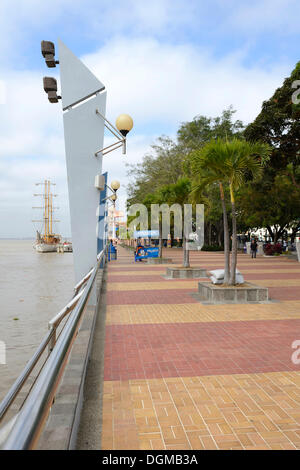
(23, 431)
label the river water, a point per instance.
(33, 288)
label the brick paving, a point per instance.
(182, 375)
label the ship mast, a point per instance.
(48, 211)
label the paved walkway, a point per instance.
(182, 375)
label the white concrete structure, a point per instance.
(298, 250)
(82, 93)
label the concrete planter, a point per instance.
(179, 272)
(216, 294)
(159, 260)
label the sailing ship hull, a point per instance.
(45, 248)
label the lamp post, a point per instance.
(124, 124)
(115, 185)
(83, 99)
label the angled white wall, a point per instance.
(77, 81)
(84, 135)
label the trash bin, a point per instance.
(112, 253)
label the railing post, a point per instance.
(53, 339)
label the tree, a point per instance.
(160, 167)
(195, 134)
(273, 204)
(166, 163)
(208, 167)
(278, 124)
(231, 163)
(275, 197)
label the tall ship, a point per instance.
(47, 241)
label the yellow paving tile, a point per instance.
(190, 313)
(174, 284)
(258, 418)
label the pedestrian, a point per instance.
(253, 248)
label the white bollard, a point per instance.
(298, 250)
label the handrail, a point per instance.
(18, 384)
(33, 414)
(83, 281)
(55, 321)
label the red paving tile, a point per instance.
(136, 278)
(158, 296)
(274, 275)
(193, 349)
(284, 293)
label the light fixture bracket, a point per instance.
(121, 142)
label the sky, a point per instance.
(163, 62)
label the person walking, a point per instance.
(253, 248)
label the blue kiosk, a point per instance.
(145, 252)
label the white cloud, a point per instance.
(99, 20)
(171, 83)
(159, 84)
(2, 92)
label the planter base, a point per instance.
(246, 293)
(179, 272)
(159, 260)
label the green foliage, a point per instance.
(161, 167)
(166, 163)
(271, 202)
(228, 162)
(279, 125)
(275, 199)
(177, 193)
(195, 134)
(212, 248)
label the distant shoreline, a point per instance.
(29, 239)
(16, 238)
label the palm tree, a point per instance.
(243, 160)
(230, 163)
(208, 167)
